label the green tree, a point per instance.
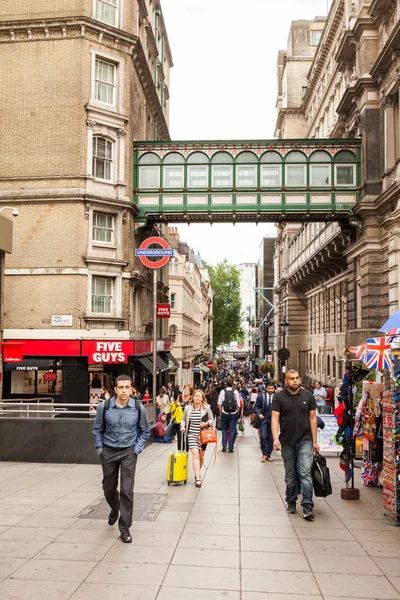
(225, 283)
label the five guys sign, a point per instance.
(107, 352)
(163, 311)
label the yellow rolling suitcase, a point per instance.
(177, 470)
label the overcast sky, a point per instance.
(223, 86)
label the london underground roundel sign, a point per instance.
(144, 252)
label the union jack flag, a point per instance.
(378, 353)
(359, 351)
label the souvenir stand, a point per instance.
(369, 426)
(391, 441)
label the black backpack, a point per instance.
(229, 404)
(321, 477)
(138, 405)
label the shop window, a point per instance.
(149, 171)
(102, 288)
(102, 158)
(103, 228)
(35, 383)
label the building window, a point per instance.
(315, 36)
(103, 228)
(173, 171)
(102, 294)
(246, 170)
(107, 11)
(345, 174)
(102, 158)
(149, 171)
(320, 175)
(295, 173)
(271, 174)
(173, 266)
(173, 332)
(197, 170)
(222, 170)
(105, 81)
(172, 302)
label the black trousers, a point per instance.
(116, 461)
(176, 430)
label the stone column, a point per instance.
(388, 103)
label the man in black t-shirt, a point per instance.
(294, 410)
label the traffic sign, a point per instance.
(283, 354)
(210, 365)
(144, 251)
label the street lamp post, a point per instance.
(284, 324)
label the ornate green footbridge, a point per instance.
(246, 180)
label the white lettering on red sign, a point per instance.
(109, 352)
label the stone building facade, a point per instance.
(83, 80)
(190, 325)
(338, 282)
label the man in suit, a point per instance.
(263, 408)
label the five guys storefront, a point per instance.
(64, 369)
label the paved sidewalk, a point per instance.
(230, 540)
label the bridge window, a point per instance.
(173, 171)
(246, 170)
(320, 173)
(345, 174)
(149, 171)
(198, 170)
(295, 173)
(271, 174)
(222, 170)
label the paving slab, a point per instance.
(76, 550)
(127, 573)
(332, 563)
(274, 561)
(133, 553)
(357, 586)
(200, 556)
(173, 593)
(103, 591)
(55, 570)
(17, 589)
(199, 577)
(209, 542)
(260, 544)
(278, 582)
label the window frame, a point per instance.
(316, 32)
(152, 168)
(113, 224)
(119, 64)
(176, 167)
(216, 166)
(111, 297)
(99, 59)
(252, 166)
(172, 301)
(353, 166)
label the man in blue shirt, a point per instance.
(119, 436)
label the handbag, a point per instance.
(208, 436)
(255, 421)
(241, 426)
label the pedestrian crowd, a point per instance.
(285, 415)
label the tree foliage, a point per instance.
(225, 283)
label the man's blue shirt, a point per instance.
(121, 427)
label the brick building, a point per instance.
(83, 80)
(337, 283)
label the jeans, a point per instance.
(297, 460)
(167, 439)
(266, 438)
(114, 461)
(322, 409)
(229, 422)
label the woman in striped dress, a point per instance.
(192, 422)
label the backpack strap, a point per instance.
(106, 406)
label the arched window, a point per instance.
(246, 170)
(345, 171)
(197, 170)
(295, 169)
(102, 158)
(271, 169)
(173, 332)
(173, 170)
(149, 171)
(320, 169)
(222, 165)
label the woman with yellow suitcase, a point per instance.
(192, 422)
